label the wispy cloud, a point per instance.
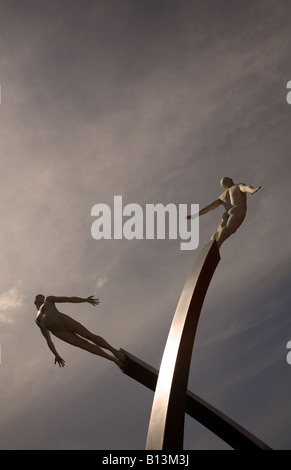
(101, 282)
(10, 301)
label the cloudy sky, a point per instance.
(153, 100)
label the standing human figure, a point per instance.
(50, 320)
(234, 201)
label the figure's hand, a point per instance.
(92, 301)
(60, 361)
(256, 189)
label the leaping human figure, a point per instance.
(50, 320)
(234, 201)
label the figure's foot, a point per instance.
(121, 356)
(122, 365)
(122, 359)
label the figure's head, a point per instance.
(39, 300)
(226, 182)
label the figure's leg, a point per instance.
(77, 328)
(222, 224)
(75, 340)
(233, 223)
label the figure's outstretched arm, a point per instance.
(214, 205)
(208, 208)
(248, 189)
(74, 300)
(51, 346)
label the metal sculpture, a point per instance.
(166, 428)
(172, 399)
(207, 415)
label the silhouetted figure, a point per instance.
(234, 200)
(50, 320)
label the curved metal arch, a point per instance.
(166, 427)
(172, 399)
(207, 415)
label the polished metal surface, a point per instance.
(172, 399)
(166, 427)
(220, 424)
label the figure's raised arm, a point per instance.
(248, 189)
(73, 300)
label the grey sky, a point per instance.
(154, 101)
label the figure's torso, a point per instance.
(48, 316)
(234, 198)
